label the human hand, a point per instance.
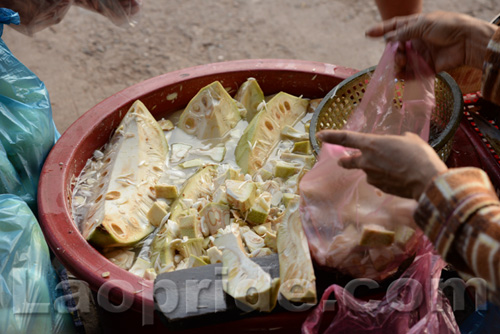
(398, 165)
(445, 40)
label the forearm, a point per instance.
(460, 213)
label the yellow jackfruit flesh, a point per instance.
(298, 282)
(210, 114)
(118, 216)
(263, 133)
(376, 236)
(243, 279)
(250, 95)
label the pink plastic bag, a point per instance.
(339, 208)
(413, 304)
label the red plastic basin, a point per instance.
(162, 95)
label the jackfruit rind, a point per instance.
(210, 114)
(250, 95)
(119, 214)
(243, 279)
(263, 133)
(298, 282)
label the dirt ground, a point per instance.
(85, 58)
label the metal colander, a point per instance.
(337, 106)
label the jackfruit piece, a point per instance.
(216, 153)
(195, 261)
(302, 147)
(307, 126)
(189, 224)
(251, 239)
(250, 95)
(210, 114)
(243, 279)
(298, 282)
(200, 185)
(166, 191)
(305, 161)
(240, 194)
(190, 247)
(264, 174)
(191, 163)
(140, 266)
(156, 214)
(271, 241)
(118, 216)
(288, 197)
(289, 132)
(214, 254)
(234, 229)
(123, 258)
(403, 234)
(166, 124)
(376, 236)
(259, 211)
(263, 133)
(179, 151)
(215, 216)
(150, 274)
(260, 252)
(284, 169)
(163, 247)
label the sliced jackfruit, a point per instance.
(289, 132)
(166, 124)
(250, 95)
(260, 210)
(298, 282)
(243, 279)
(263, 133)
(215, 216)
(210, 114)
(376, 236)
(300, 160)
(302, 147)
(118, 216)
(157, 213)
(179, 151)
(240, 194)
(284, 169)
(189, 224)
(214, 254)
(195, 261)
(166, 191)
(252, 240)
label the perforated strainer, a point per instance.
(337, 106)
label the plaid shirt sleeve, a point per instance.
(460, 213)
(491, 70)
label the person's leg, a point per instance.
(392, 8)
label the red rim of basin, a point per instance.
(172, 91)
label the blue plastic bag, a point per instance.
(27, 131)
(30, 299)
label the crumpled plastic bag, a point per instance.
(31, 301)
(27, 130)
(39, 14)
(413, 304)
(340, 210)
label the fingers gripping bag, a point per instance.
(350, 225)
